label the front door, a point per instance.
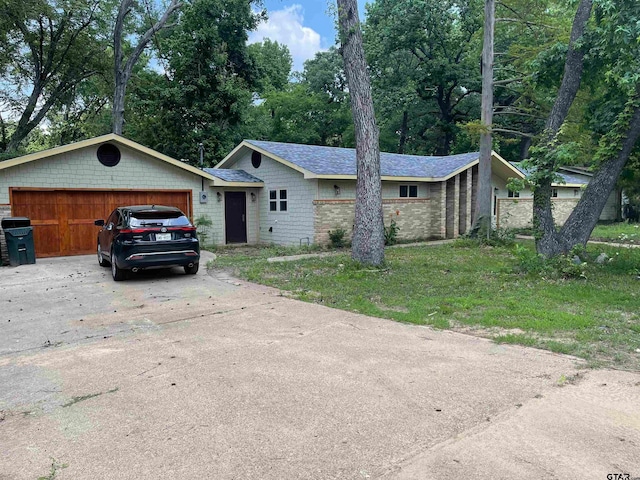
(235, 213)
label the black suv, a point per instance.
(147, 236)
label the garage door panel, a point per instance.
(46, 234)
(83, 236)
(63, 219)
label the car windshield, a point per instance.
(158, 219)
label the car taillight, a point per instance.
(133, 230)
(182, 229)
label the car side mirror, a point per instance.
(99, 223)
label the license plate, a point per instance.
(161, 237)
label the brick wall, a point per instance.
(5, 211)
(413, 220)
(518, 212)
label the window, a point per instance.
(256, 159)
(408, 191)
(554, 192)
(274, 196)
(512, 194)
(273, 205)
(108, 155)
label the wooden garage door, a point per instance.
(63, 219)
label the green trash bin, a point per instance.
(18, 234)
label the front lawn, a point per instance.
(617, 232)
(479, 290)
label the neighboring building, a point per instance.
(515, 209)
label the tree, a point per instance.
(123, 69)
(272, 64)
(368, 235)
(207, 88)
(483, 201)
(613, 42)
(49, 49)
(432, 48)
(313, 109)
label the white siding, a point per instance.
(294, 225)
(217, 233)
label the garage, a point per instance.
(63, 190)
(63, 219)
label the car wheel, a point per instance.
(117, 273)
(101, 261)
(191, 270)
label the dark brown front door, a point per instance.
(235, 213)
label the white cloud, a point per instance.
(286, 27)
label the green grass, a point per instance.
(473, 289)
(617, 232)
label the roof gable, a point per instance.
(110, 138)
(570, 179)
(332, 162)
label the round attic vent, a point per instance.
(256, 159)
(108, 155)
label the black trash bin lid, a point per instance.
(15, 222)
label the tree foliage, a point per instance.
(49, 49)
(207, 86)
(435, 46)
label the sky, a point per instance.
(305, 26)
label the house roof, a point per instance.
(233, 178)
(110, 138)
(570, 179)
(340, 163)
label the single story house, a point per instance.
(262, 192)
(309, 190)
(515, 209)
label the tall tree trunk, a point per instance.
(368, 234)
(122, 69)
(403, 132)
(483, 221)
(547, 240)
(3, 134)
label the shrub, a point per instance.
(562, 266)
(391, 232)
(202, 224)
(337, 237)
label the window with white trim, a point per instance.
(512, 194)
(408, 191)
(278, 201)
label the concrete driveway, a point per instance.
(170, 376)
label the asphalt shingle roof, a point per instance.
(232, 175)
(342, 161)
(567, 177)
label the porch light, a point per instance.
(253, 197)
(336, 188)
(219, 196)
